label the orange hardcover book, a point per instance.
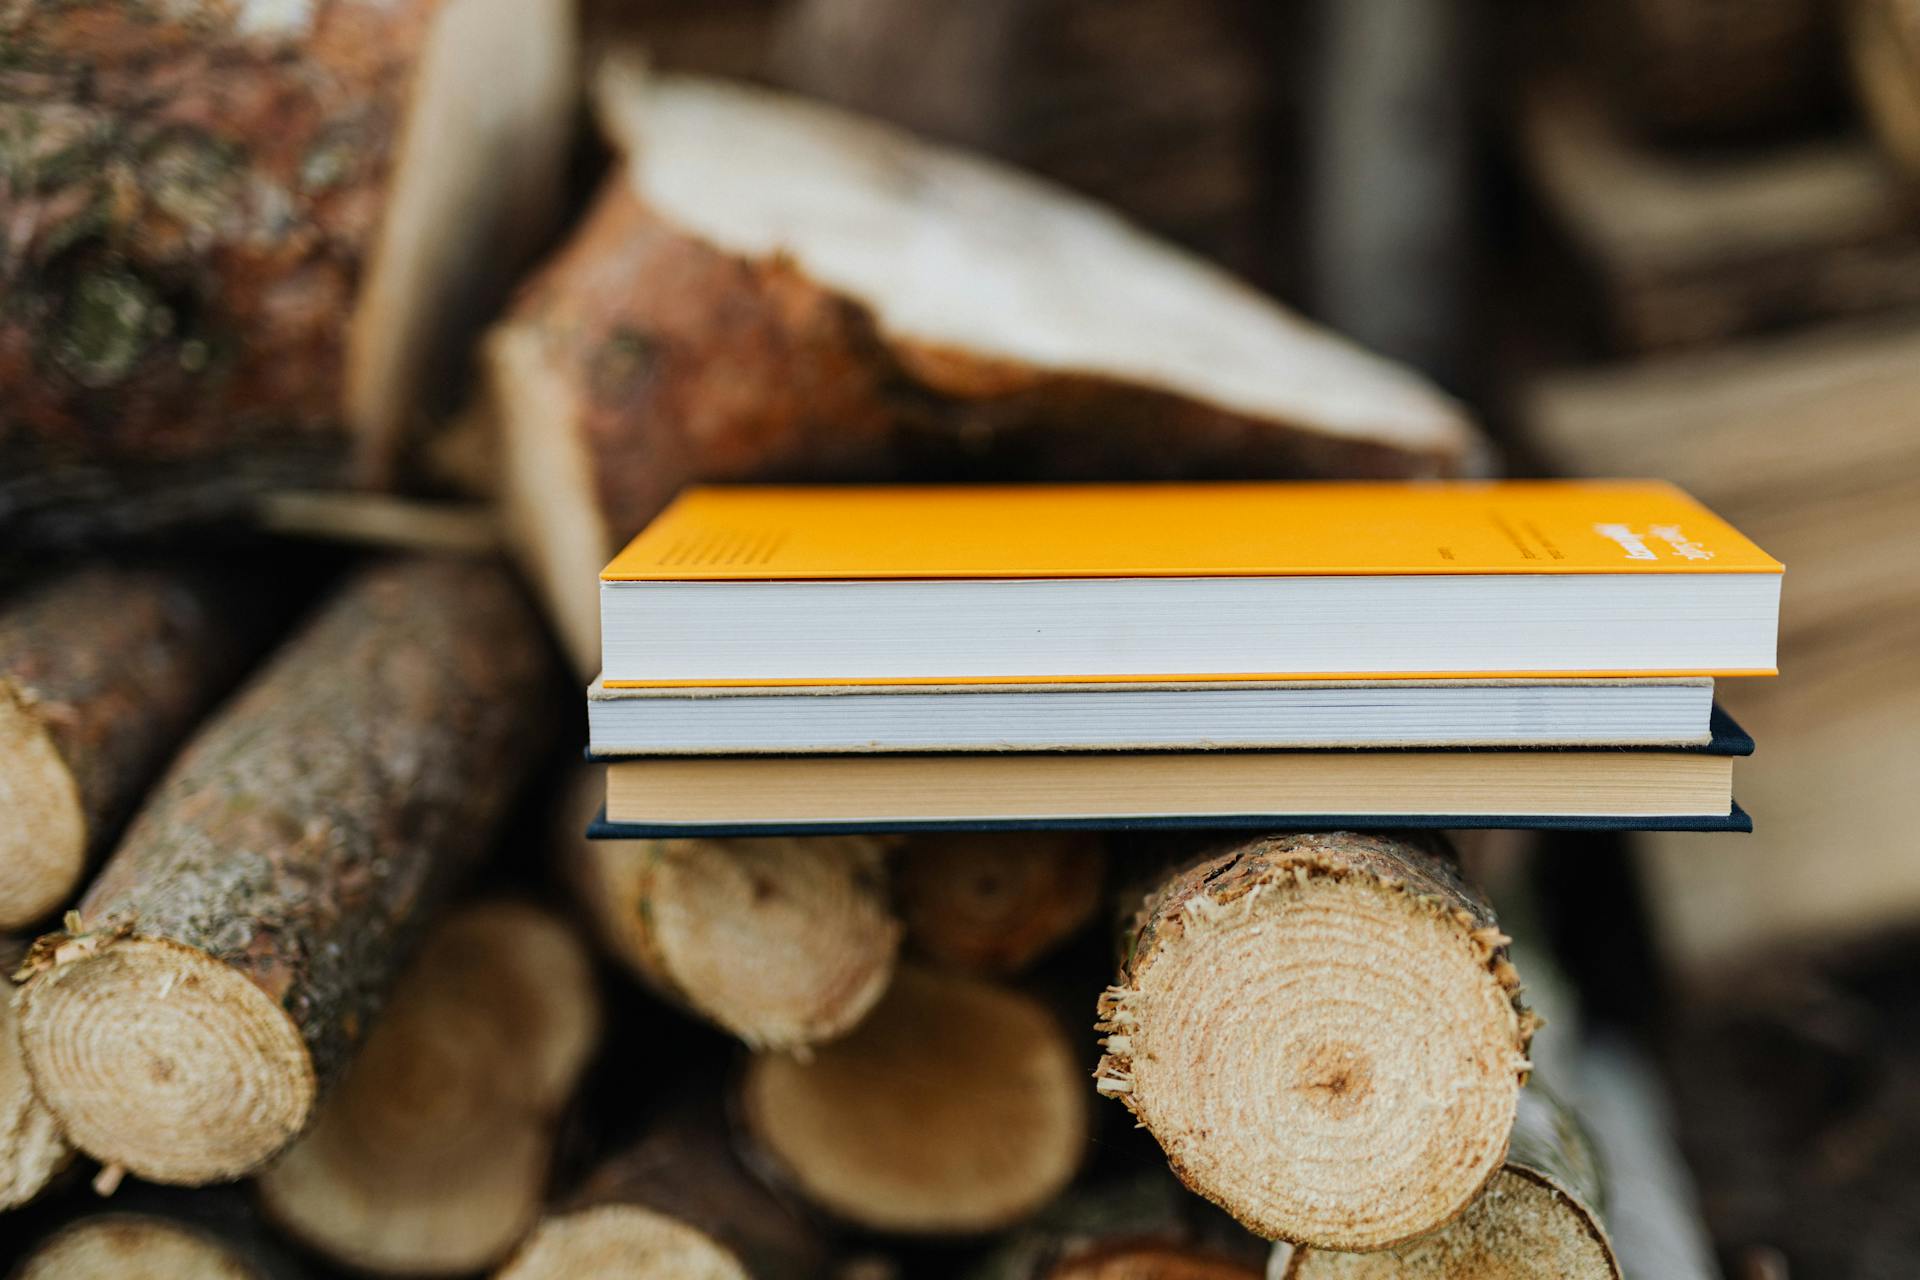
(777, 585)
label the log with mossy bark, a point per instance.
(432, 1157)
(1539, 1215)
(1324, 1034)
(957, 1107)
(32, 1148)
(676, 1203)
(219, 973)
(992, 905)
(781, 942)
(248, 240)
(102, 673)
(770, 288)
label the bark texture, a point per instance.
(1540, 1215)
(676, 1199)
(1324, 1034)
(955, 1108)
(102, 673)
(1689, 248)
(32, 1148)
(432, 1156)
(782, 942)
(992, 905)
(235, 949)
(198, 196)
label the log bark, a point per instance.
(702, 324)
(1323, 1033)
(992, 905)
(249, 241)
(955, 1108)
(1883, 42)
(102, 673)
(784, 943)
(1711, 69)
(242, 938)
(432, 1156)
(1539, 1215)
(676, 1203)
(32, 1148)
(1686, 249)
(1139, 1227)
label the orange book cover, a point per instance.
(1278, 529)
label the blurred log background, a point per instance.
(1667, 237)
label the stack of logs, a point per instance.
(288, 904)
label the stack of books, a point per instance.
(1521, 654)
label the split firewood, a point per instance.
(1702, 69)
(1883, 37)
(992, 905)
(677, 1203)
(218, 973)
(1540, 1215)
(773, 289)
(245, 251)
(1323, 1033)
(1690, 249)
(32, 1149)
(956, 1107)
(781, 942)
(1140, 1227)
(102, 672)
(432, 1156)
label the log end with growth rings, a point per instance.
(43, 842)
(621, 1242)
(1329, 1050)
(126, 1246)
(161, 1060)
(1523, 1225)
(956, 1107)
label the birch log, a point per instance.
(432, 1156)
(246, 239)
(770, 288)
(218, 974)
(1323, 1033)
(102, 673)
(955, 1108)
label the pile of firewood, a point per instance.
(315, 972)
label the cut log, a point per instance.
(1141, 1227)
(992, 905)
(247, 251)
(32, 1149)
(773, 289)
(432, 1156)
(1883, 38)
(1539, 1216)
(243, 936)
(162, 1233)
(1688, 249)
(1323, 1033)
(1702, 69)
(782, 942)
(102, 673)
(678, 1203)
(957, 1107)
